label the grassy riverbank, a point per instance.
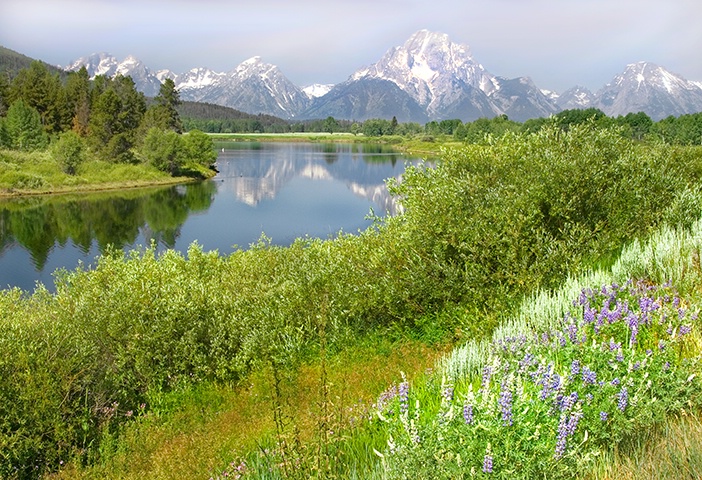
(207, 365)
(38, 173)
(420, 145)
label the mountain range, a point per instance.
(429, 77)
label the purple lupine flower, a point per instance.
(603, 416)
(448, 393)
(525, 362)
(666, 366)
(569, 401)
(633, 321)
(589, 315)
(599, 322)
(684, 330)
(487, 374)
(558, 401)
(385, 397)
(575, 367)
(573, 422)
(403, 394)
(615, 381)
(589, 376)
(562, 436)
(622, 399)
(572, 330)
(614, 345)
(584, 298)
(487, 463)
(545, 383)
(555, 381)
(468, 413)
(620, 356)
(566, 428)
(505, 403)
(647, 304)
(616, 314)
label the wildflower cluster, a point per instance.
(614, 364)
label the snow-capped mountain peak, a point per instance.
(430, 68)
(255, 66)
(644, 86)
(646, 74)
(106, 64)
(429, 77)
(162, 75)
(197, 78)
(101, 63)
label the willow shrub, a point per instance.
(525, 209)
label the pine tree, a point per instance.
(169, 99)
(78, 100)
(41, 91)
(24, 127)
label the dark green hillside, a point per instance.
(12, 62)
(213, 118)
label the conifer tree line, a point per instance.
(106, 118)
(681, 130)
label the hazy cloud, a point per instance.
(557, 43)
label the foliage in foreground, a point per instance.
(547, 404)
(487, 225)
(666, 449)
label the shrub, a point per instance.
(69, 152)
(491, 221)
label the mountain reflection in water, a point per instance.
(284, 190)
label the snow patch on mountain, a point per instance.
(317, 90)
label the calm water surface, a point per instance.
(285, 190)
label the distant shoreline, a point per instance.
(95, 187)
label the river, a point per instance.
(282, 190)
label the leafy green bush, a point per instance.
(69, 152)
(523, 210)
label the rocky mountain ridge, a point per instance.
(429, 77)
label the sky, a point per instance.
(558, 43)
